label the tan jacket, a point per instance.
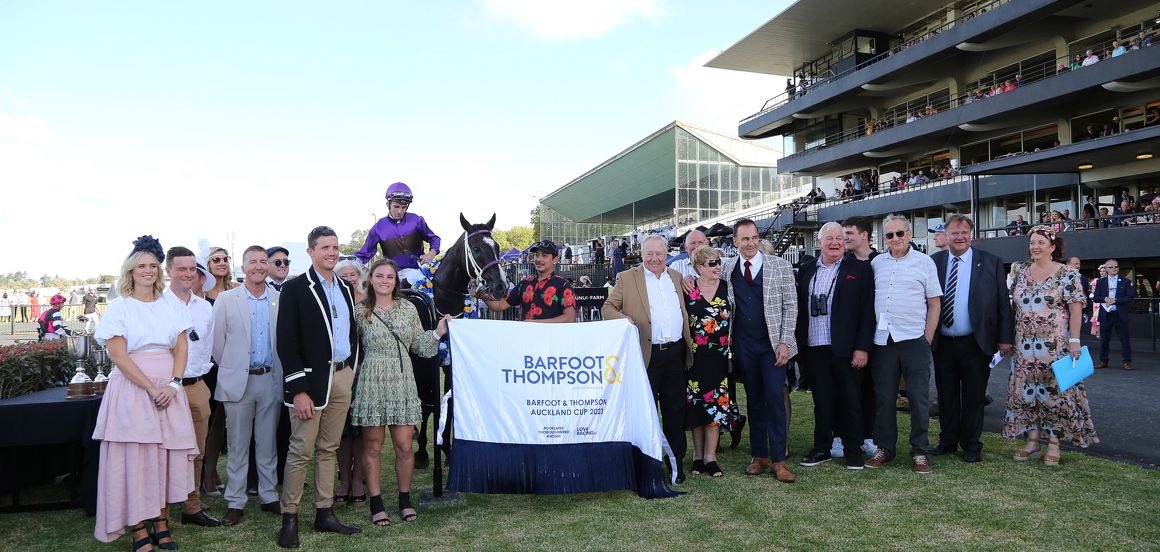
(629, 299)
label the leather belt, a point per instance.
(259, 370)
(186, 382)
(667, 346)
(338, 366)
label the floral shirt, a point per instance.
(709, 320)
(542, 299)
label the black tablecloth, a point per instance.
(36, 428)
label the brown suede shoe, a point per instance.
(782, 473)
(1128, 366)
(1101, 365)
(878, 460)
(757, 466)
(922, 464)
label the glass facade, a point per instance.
(560, 229)
(710, 184)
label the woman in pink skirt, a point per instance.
(144, 425)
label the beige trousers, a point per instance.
(317, 437)
(198, 395)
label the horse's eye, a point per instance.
(475, 249)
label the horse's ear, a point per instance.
(463, 221)
(491, 223)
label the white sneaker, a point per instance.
(869, 448)
(836, 449)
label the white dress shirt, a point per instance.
(1112, 281)
(198, 361)
(754, 265)
(901, 290)
(664, 305)
(962, 318)
(685, 267)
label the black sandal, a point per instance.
(163, 534)
(698, 467)
(713, 469)
(138, 544)
(378, 508)
(404, 505)
(358, 498)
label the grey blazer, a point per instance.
(231, 341)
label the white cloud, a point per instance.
(27, 129)
(570, 20)
(718, 98)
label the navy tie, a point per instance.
(948, 303)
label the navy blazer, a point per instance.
(1125, 292)
(988, 302)
(851, 311)
(305, 341)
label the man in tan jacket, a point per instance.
(650, 297)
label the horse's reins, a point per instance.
(470, 265)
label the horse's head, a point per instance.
(482, 258)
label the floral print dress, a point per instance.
(1041, 334)
(709, 401)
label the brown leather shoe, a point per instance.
(878, 460)
(1128, 366)
(757, 466)
(782, 473)
(233, 517)
(1101, 365)
(922, 464)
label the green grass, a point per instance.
(1087, 504)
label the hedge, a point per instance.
(31, 367)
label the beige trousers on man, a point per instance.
(317, 437)
(198, 396)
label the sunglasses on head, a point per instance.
(712, 263)
(891, 235)
(219, 259)
(281, 262)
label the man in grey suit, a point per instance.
(975, 320)
(249, 382)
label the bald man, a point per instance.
(693, 240)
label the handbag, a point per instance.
(1069, 371)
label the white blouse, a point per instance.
(152, 326)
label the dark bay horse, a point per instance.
(471, 264)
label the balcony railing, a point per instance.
(819, 81)
(1031, 74)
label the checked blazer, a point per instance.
(779, 293)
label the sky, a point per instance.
(252, 122)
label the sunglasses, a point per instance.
(891, 235)
(712, 263)
(282, 262)
(216, 260)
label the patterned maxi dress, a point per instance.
(1041, 334)
(709, 402)
(385, 393)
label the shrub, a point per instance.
(31, 367)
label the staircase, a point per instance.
(785, 236)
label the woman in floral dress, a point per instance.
(1048, 305)
(711, 410)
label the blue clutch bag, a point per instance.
(1069, 372)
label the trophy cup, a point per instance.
(80, 387)
(101, 361)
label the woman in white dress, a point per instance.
(144, 424)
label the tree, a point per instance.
(357, 239)
(519, 237)
(535, 215)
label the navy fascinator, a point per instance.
(149, 245)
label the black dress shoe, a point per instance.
(200, 518)
(816, 457)
(272, 507)
(972, 457)
(233, 517)
(942, 449)
(325, 521)
(288, 536)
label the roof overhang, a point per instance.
(803, 32)
(1109, 151)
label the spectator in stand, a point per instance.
(1062, 68)
(1134, 44)
(1088, 214)
(996, 90)
(1008, 86)
(1145, 39)
(1108, 130)
(910, 118)
(1107, 53)
(1089, 58)
(1118, 49)
(1090, 132)
(1077, 62)
(1123, 216)
(1105, 218)
(789, 88)
(821, 195)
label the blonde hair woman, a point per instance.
(144, 424)
(218, 263)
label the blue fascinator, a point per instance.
(149, 245)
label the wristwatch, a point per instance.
(175, 383)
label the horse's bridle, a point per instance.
(469, 262)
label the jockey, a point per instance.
(401, 235)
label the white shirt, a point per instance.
(754, 265)
(1090, 60)
(152, 326)
(901, 289)
(200, 312)
(962, 317)
(1112, 281)
(685, 267)
(664, 306)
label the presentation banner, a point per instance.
(553, 408)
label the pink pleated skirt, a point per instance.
(146, 453)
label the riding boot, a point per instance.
(325, 521)
(288, 537)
